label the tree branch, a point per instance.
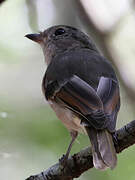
(32, 14)
(1, 1)
(82, 161)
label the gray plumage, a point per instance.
(82, 88)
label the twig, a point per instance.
(82, 161)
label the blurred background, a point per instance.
(31, 137)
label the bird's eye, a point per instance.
(59, 31)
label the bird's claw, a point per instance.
(63, 160)
(115, 140)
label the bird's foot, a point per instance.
(63, 160)
(115, 140)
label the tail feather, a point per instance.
(106, 148)
(103, 150)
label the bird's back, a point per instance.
(85, 63)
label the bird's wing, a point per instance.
(108, 91)
(81, 98)
(80, 95)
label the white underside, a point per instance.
(68, 118)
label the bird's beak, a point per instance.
(35, 37)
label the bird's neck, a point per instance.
(53, 50)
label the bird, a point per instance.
(81, 86)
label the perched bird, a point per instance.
(82, 88)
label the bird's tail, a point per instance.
(104, 154)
